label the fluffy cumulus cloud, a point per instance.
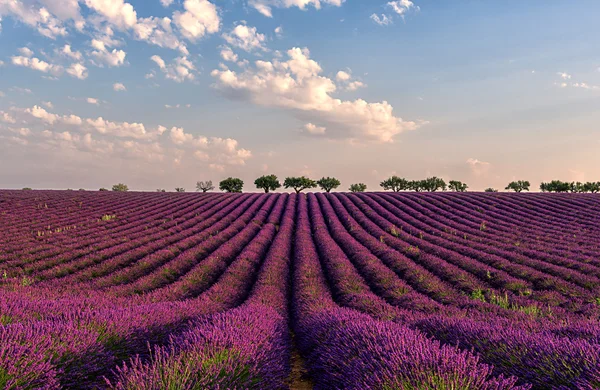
(401, 7)
(159, 32)
(106, 148)
(297, 85)
(314, 129)
(228, 55)
(200, 18)
(67, 51)
(119, 87)
(245, 38)
(78, 70)
(103, 55)
(115, 12)
(215, 149)
(36, 64)
(265, 7)
(180, 70)
(345, 81)
(42, 15)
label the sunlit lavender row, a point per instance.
(115, 290)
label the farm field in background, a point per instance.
(115, 290)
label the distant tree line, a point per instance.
(269, 183)
(564, 186)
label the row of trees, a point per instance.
(270, 183)
(564, 186)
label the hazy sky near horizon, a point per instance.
(162, 93)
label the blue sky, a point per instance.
(161, 93)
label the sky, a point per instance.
(163, 93)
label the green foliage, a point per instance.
(120, 187)
(267, 183)
(395, 184)
(102, 189)
(457, 186)
(562, 186)
(160, 190)
(26, 189)
(299, 183)
(205, 186)
(490, 189)
(433, 184)
(108, 217)
(518, 186)
(179, 189)
(478, 295)
(358, 187)
(231, 184)
(328, 183)
(415, 185)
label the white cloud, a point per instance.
(225, 151)
(48, 104)
(68, 52)
(35, 16)
(116, 12)
(159, 61)
(384, 20)
(314, 129)
(342, 76)
(112, 58)
(479, 168)
(7, 118)
(345, 79)
(564, 75)
(180, 70)
(279, 31)
(228, 55)
(119, 129)
(166, 3)
(158, 31)
(200, 18)
(25, 51)
(245, 38)
(265, 6)
(50, 118)
(78, 70)
(23, 131)
(296, 84)
(401, 7)
(119, 87)
(92, 101)
(36, 64)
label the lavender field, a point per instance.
(115, 290)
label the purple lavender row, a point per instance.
(458, 227)
(164, 245)
(25, 232)
(548, 264)
(349, 350)
(451, 251)
(82, 217)
(115, 335)
(92, 237)
(247, 347)
(542, 359)
(93, 251)
(531, 234)
(248, 246)
(167, 273)
(409, 261)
